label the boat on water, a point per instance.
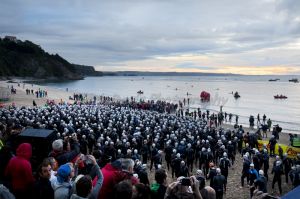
(236, 95)
(280, 97)
(140, 92)
(295, 80)
(273, 80)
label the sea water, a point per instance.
(257, 94)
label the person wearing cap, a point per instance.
(157, 159)
(203, 156)
(253, 174)
(261, 182)
(219, 184)
(183, 170)
(212, 173)
(272, 143)
(265, 157)
(231, 151)
(63, 186)
(207, 192)
(277, 171)
(141, 170)
(153, 153)
(256, 160)
(145, 152)
(224, 166)
(168, 155)
(245, 170)
(287, 164)
(198, 149)
(190, 156)
(176, 165)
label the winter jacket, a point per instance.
(62, 190)
(43, 189)
(19, 169)
(111, 176)
(158, 191)
(5, 194)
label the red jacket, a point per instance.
(19, 168)
(111, 177)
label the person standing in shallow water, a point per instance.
(269, 122)
(237, 119)
(264, 118)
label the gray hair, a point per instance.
(127, 163)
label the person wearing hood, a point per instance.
(19, 171)
(111, 176)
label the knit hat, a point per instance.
(63, 173)
(57, 145)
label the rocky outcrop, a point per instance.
(87, 70)
(26, 59)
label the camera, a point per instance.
(185, 182)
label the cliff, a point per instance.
(26, 59)
(87, 70)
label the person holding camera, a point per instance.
(65, 150)
(187, 188)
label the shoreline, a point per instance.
(59, 95)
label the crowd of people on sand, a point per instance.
(106, 150)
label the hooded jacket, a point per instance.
(111, 176)
(19, 168)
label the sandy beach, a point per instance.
(233, 187)
(21, 99)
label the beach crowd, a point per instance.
(107, 150)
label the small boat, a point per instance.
(295, 80)
(280, 97)
(236, 95)
(273, 80)
(140, 92)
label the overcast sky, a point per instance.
(238, 36)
